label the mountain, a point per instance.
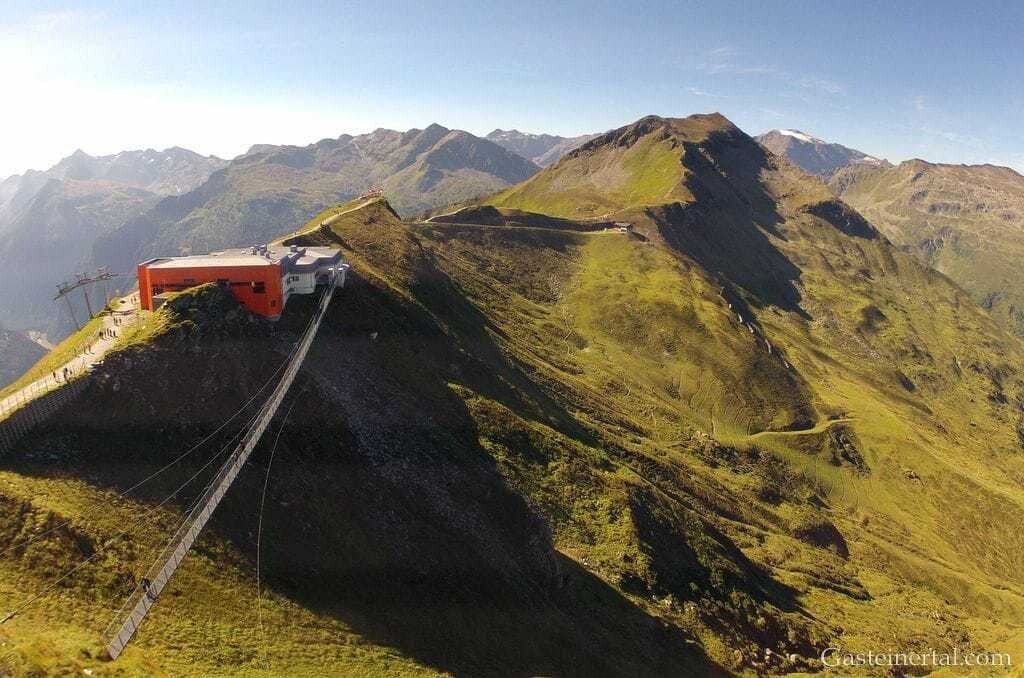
(50, 220)
(661, 408)
(271, 188)
(49, 241)
(929, 384)
(169, 172)
(814, 156)
(17, 354)
(542, 149)
(966, 221)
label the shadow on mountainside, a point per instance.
(384, 511)
(725, 229)
(442, 559)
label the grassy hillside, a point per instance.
(750, 425)
(920, 384)
(628, 172)
(966, 221)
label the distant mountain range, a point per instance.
(115, 210)
(112, 210)
(820, 158)
(543, 149)
(272, 188)
(50, 220)
(966, 221)
(169, 172)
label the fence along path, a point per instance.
(37, 401)
(17, 424)
(128, 619)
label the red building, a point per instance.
(261, 278)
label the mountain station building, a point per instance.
(262, 278)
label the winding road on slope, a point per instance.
(818, 428)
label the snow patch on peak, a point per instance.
(797, 134)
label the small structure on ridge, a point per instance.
(262, 278)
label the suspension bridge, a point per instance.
(144, 596)
(146, 593)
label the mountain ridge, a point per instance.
(542, 149)
(250, 199)
(172, 170)
(49, 221)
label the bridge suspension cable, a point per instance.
(259, 533)
(159, 471)
(101, 549)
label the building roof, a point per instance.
(290, 259)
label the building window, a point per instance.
(259, 287)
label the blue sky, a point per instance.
(937, 80)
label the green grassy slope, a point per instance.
(966, 221)
(646, 172)
(524, 450)
(394, 544)
(931, 384)
(209, 626)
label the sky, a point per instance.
(936, 80)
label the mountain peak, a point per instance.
(694, 127)
(697, 124)
(813, 155)
(542, 149)
(650, 163)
